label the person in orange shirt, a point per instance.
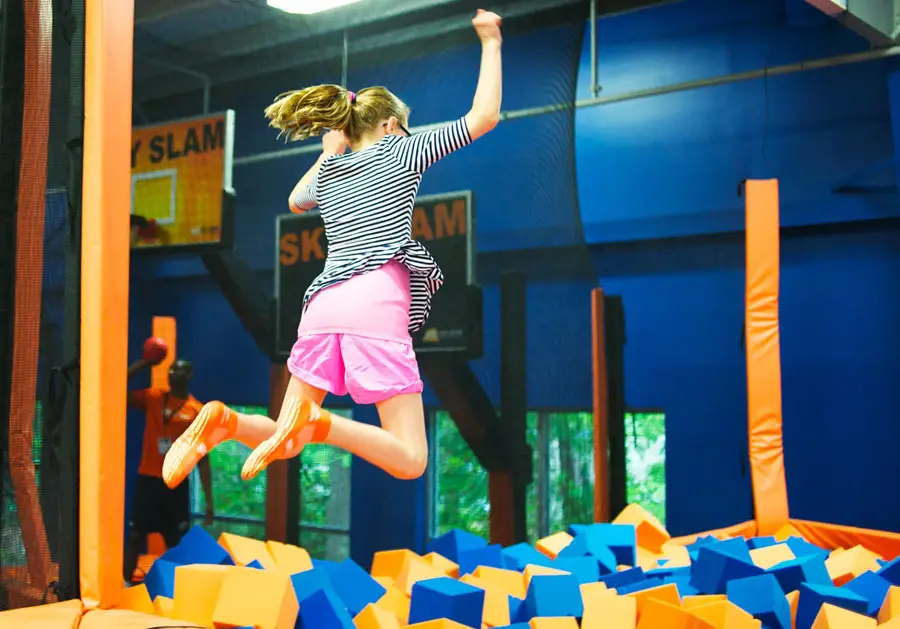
(156, 508)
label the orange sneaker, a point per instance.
(214, 424)
(305, 424)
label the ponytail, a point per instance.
(312, 111)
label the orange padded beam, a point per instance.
(165, 328)
(106, 197)
(770, 499)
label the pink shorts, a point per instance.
(370, 370)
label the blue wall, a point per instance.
(647, 190)
(667, 168)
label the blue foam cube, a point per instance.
(553, 595)
(716, 566)
(325, 566)
(762, 542)
(446, 598)
(664, 573)
(321, 607)
(585, 569)
(517, 611)
(620, 539)
(488, 556)
(160, 579)
(762, 597)
(197, 546)
(354, 586)
(518, 625)
(812, 597)
(801, 548)
(806, 569)
(683, 583)
(871, 587)
(450, 543)
(646, 584)
(307, 582)
(890, 571)
(617, 580)
(255, 565)
(517, 556)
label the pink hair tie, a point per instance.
(351, 96)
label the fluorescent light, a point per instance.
(308, 7)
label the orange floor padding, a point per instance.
(56, 616)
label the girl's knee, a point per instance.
(410, 469)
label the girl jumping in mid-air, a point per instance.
(377, 284)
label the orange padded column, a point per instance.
(109, 26)
(770, 499)
(601, 409)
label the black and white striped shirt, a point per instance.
(366, 200)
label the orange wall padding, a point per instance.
(55, 616)
(165, 328)
(601, 408)
(836, 536)
(106, 198)
(27, 285)
(770, 499)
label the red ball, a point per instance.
(155, 350)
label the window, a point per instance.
(562, 489)
(325, 500)
(645, 461)
(241, 505)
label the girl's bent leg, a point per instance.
(300, 421)
(214, 424)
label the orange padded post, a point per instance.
(106, 197)
(601, 409)
(770, 499)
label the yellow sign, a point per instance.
(179, 173)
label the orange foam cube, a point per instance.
(245, 550)
(549, 622)
(263, 599)
(396, 602)
(163, 606)
(833, 617)
(136, 598)
(449, 568)
(495, 612)
(610, 612)
(590, 592)
(890, 607)
(770, 556)
(667, 593)
(415, 569)
(786, 531)
(677, 555)
(553, 544)
(698, 600)
(646, 559)
(726, 615)
(793, 598)
(508, 581)
(651, 534)
(658, 614)
(533, 570)
(851, 563)
(292, 559)
(374, 617)
(197, 590)
(389, 563)
(443, 623)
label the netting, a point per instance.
(34, 537)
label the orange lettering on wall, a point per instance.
(452, 223)
(420, 226)
(289, 251)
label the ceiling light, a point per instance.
(308, 7)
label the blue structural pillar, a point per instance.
(893, 79)
(385, 513)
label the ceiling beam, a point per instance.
(288, 56)
(146, 11)
(873, 19)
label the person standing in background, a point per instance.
(156, 508)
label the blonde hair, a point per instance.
(314, 110)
